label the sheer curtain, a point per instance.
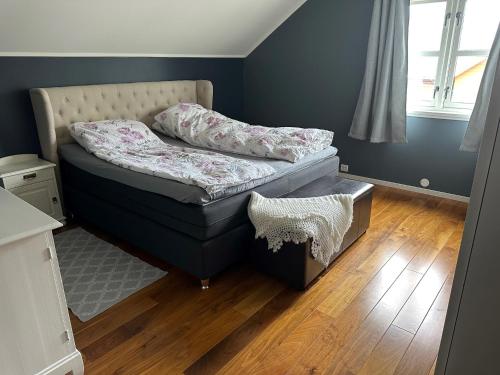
(474, 132)
(381, 111)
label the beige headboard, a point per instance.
(57, 107)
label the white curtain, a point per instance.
(381, 111)
(474, 132)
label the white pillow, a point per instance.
(163, 129)
(167, 121)
(122, 134)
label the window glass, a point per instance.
(468, 73)
(446, 64)
(426, 24)
(421, 78)
(480, 22)
(479, 25)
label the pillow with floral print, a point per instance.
(167, 121)
(205, 128)
(163, 129)
(96, 136)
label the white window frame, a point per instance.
(442, 106)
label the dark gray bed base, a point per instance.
(201, 258)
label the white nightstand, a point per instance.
(33, 180)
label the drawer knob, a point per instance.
(54, 200)
(29, 176)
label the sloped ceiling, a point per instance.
(230, 28)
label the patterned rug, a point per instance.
(96, 275)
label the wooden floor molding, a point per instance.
(380, 308)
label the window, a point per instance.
(449, 43)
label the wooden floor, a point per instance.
(379, 310)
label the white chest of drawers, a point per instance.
(35, 330)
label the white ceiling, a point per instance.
(231, 28)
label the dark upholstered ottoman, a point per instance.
(293, 263)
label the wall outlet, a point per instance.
(424, 182)
(344, 167)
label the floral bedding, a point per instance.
(130, 144)
(201, 127)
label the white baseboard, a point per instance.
(73, 363)
(414, 189)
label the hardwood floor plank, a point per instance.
(268, 327)
(320, 354)
(367, 299)
(129, 311)
(397, 250)
(249, 323)
(283, 357)
(388, 352)
(234, 343)
(349, 288)
(433, 368)
(446, 226)
(174, 358)
(381, 200)
(166, 323)
(382, 228)
(259, 297)
(362, 291)
(353, 355)
(204, 334)
(456, 238)
(421, 354)
(414, 311)
(76, 323)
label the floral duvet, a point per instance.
(130, 144)
(201, 127)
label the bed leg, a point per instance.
(205, 283)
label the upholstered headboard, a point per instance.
(57, 107)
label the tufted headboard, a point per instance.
(57, 107)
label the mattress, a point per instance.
(77, 156)
(170, 203)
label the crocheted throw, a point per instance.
(325, 220)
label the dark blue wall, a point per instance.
(18, 74)
(309, 72)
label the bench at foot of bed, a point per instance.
(293, 263)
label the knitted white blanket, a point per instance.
(324, 219)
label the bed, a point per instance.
(175, 222)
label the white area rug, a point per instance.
(96, 275)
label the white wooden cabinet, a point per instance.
(35, 330)
(34, 181)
